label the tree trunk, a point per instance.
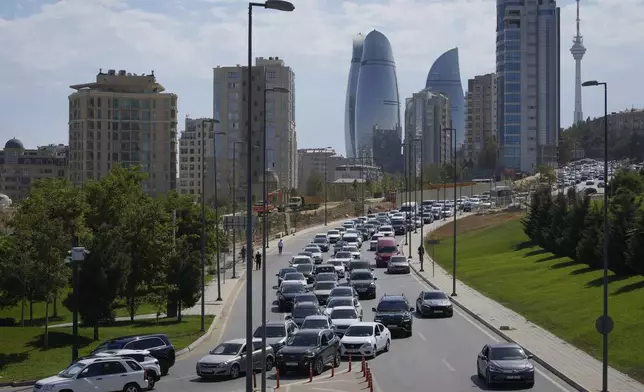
(55, 305)
(179, 316)
(46, 335)
(132, 306)
(23, 304)
(31, 308)
(96, 331)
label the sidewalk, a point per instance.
(571, 364)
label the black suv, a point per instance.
(395, 313)
(309, 348)
(364, 283)
(286, 295)
(158, 345)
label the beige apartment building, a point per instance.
(21, 167)
(276, 113)
(196, 148)
(123, 118)
(480, 122)
(318, 160)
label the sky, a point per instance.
(48, 45)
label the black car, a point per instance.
(307, 271)
(505, 363)
(309, 348)
(433, 303)
(399, 226)
(395, 313)
(322, 243)
(287, 293)
(283, 271)
(158, 345)
(306, 297)
(338, 246)
(364, 282)
(359, 265)
(343, 291)
(302, 310)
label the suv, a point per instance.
(364, 283)
(158, 345)
(313, 348)
(277, 332)
(395, 313)
(104, 374)
(143, 357)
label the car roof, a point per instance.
(395, 297)
(316, 317)
(344, 308)
(242, 341)
(315, 332)
(364, 324)
(129, 338)
(504, 345)
(306, 305)
(280, 323)
(343, 288)
(123, 351)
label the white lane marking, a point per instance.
(494, 338)
(450, 367)
(420, 335)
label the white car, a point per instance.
(97, 374)
(344, 256)
(299, 259)
(373, 243)
(143, 357)
(368, 338)
(339, 267)
(387, 231)
(355, 252)
(316, 251)
(296, 277)
(333, 236)
(333, 302)
(343, 317)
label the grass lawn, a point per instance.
(562, 296)
(22, 356)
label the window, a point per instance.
(134, 366)
(114, 368)
(232, 75)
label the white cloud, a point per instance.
(67, 42)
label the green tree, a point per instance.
(635, 258)
(18, 281)
(314, 184)
(554, 233)
(546, 173)
(574, 221)
(623, 208)
(487, 158)
(589, 248)
(625, 179)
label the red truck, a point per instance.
(386, 248)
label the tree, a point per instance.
(635, 257)
(17, 277)
(488, 156)
(546, 173)
(627, 180)
(554, 233)
(574, 221)
(315, 183)
(623, 208)
(589, 248)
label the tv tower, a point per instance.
(578, 50)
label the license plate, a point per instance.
(291, 364)
(438, 311)
(361, 290)
(513, 377)
(391, 326)
(207, 370)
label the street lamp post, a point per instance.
(326, 182)
(422, 219)
(606, 322)
(279, 5)
(214, 166)
(234, 201)
(405, 196)
(453, 158)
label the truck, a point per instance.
(274, 198)
(299, 203)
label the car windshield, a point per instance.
(507, 354)
(333, 232)
(324, 286)
(227, 349)
(301, 260)
(350, 238)
(272, 331)
(360, 265)
(315, 324)
(361, 276)
(350, 248)
(294, 276)
(342, 292)
(320, 240)
(312, 249)
(387, 249)
(287, 271)
(385, 229)
(376, 236)
(344, 314)
(335, 262)
(293, 288)
(359, 330)
(306, 298)
(303, 340)
(398, 259)
(304, 267)
(435, 295)
(392, 306)
(343, 255)
(326, 277)
(72, 370)
(341, 301)
(302, 312)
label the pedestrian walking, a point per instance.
(242, 252)
(280, 245)
(421, 252)
(258, 261)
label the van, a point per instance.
(386, 248)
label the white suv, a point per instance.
(97, 374)
(143, 357)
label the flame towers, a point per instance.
(376, 104)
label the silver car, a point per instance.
(229, 358)
(316, 253)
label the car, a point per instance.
(343, 291)
(308, 254)
(319, 235)
(365, 338)
(229, 359)
(434, 303)
(387, 247)
(158, 345)
(306, 297)
(98, 373)
(364, 282)
(502, 363)
(302, 311)
(307, 271)
(352, 240)
(428, 218)
(294, 277)
(342, 317)
(338, 265)
(355, 252)
(338, 246)
(359, 265)
(282, 272)
(325, 268)
(322, 243)
(276, 332)
(386, 230)
(373, 242)
(395, 313)
(326, 277)
(323, 289)
(399, 226)
(344, 256)
(317, 321)
(398, 264)
(316, 253)
(309, 349)
(301, 259)
(349, 225)
(287, 292)
(332, 302)
(143, 357)
(333, 235)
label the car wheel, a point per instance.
(132, 387)
(318, 368)
(234, 371)
(269, 364)
(151, 383)
(388, 345)
(337, 359)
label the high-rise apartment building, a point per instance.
(527, 67)
(387, 151)
(427, 118)
(20, 168)
(320, 160)
(123, 118)
(274, 110)
(481, 114)
(195, 149)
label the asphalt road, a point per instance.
(440, 356)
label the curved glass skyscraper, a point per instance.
(445, 77)
(350, 105)
(377, 101)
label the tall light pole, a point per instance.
(214, 148)
(234, 201)
(326, 183)
(405, 197)
(422, 219)
(606, 323)
(453, 158)
(279, 5)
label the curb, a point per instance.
(478, 318)
(18, 384)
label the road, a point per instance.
(440, 356)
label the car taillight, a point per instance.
(145, 374)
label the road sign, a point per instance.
(604, 326)
(433, 242)
(238, 222)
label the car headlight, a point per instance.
(372, 284)
(48, 387)
(493, 368)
